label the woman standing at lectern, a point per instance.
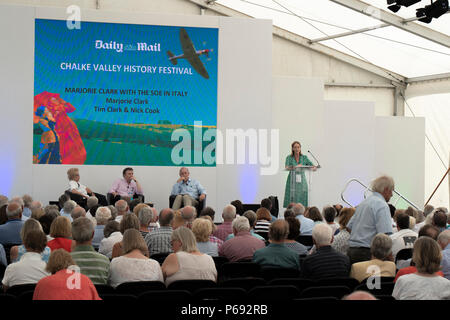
(295, 160)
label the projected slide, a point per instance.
(113, 94)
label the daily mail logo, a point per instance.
(120, 47)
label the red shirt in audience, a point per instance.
(65, 285)
(60, 243)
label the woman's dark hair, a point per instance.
(294, 228)
(239, 207)
(314, 214)
(46, 221)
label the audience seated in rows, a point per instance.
(243, 245)
(187, 263)
(17, 252)
(380, 265)
(325, 262)
(63, 272)
(276, 254)
(425, 284)
(134, 265)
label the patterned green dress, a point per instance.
(301, 188)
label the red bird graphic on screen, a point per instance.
(190, 54)
(71, 147)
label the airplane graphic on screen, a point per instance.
(190, 54)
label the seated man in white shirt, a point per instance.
(405, 237)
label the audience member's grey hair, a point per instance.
(69, 206)
(241, 224)
(38, 205)
(322, 234)
(381, 246)
(251, 216)
(82, 230)
(78, 212)
(19, 200)
(113, 211)
(165, 217)
(92, 201)
(13, 210)
(229, 212)
(102, 215)
(189, 213)
(382, 183)
(27, 200)
(298, 209)
(145, 215)
(50, 207)
(444, 237)
(121, 206)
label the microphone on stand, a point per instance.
(318, 164)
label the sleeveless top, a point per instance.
(44, 254)
(193, 267)
(60, 243)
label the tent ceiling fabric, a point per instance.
(401, 52)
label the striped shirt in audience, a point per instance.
(91, 263)
(325, 263)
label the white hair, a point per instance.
(382, 183)
(241, 224)
(229, 212)
(444, 237)
(69, 205)
(19, 200)
(322, 234)
(102, 215)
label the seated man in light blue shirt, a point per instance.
(187, 191)
(306, 224)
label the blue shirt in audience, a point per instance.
(306, 225)
(10, 232)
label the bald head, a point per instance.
(359, 295)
